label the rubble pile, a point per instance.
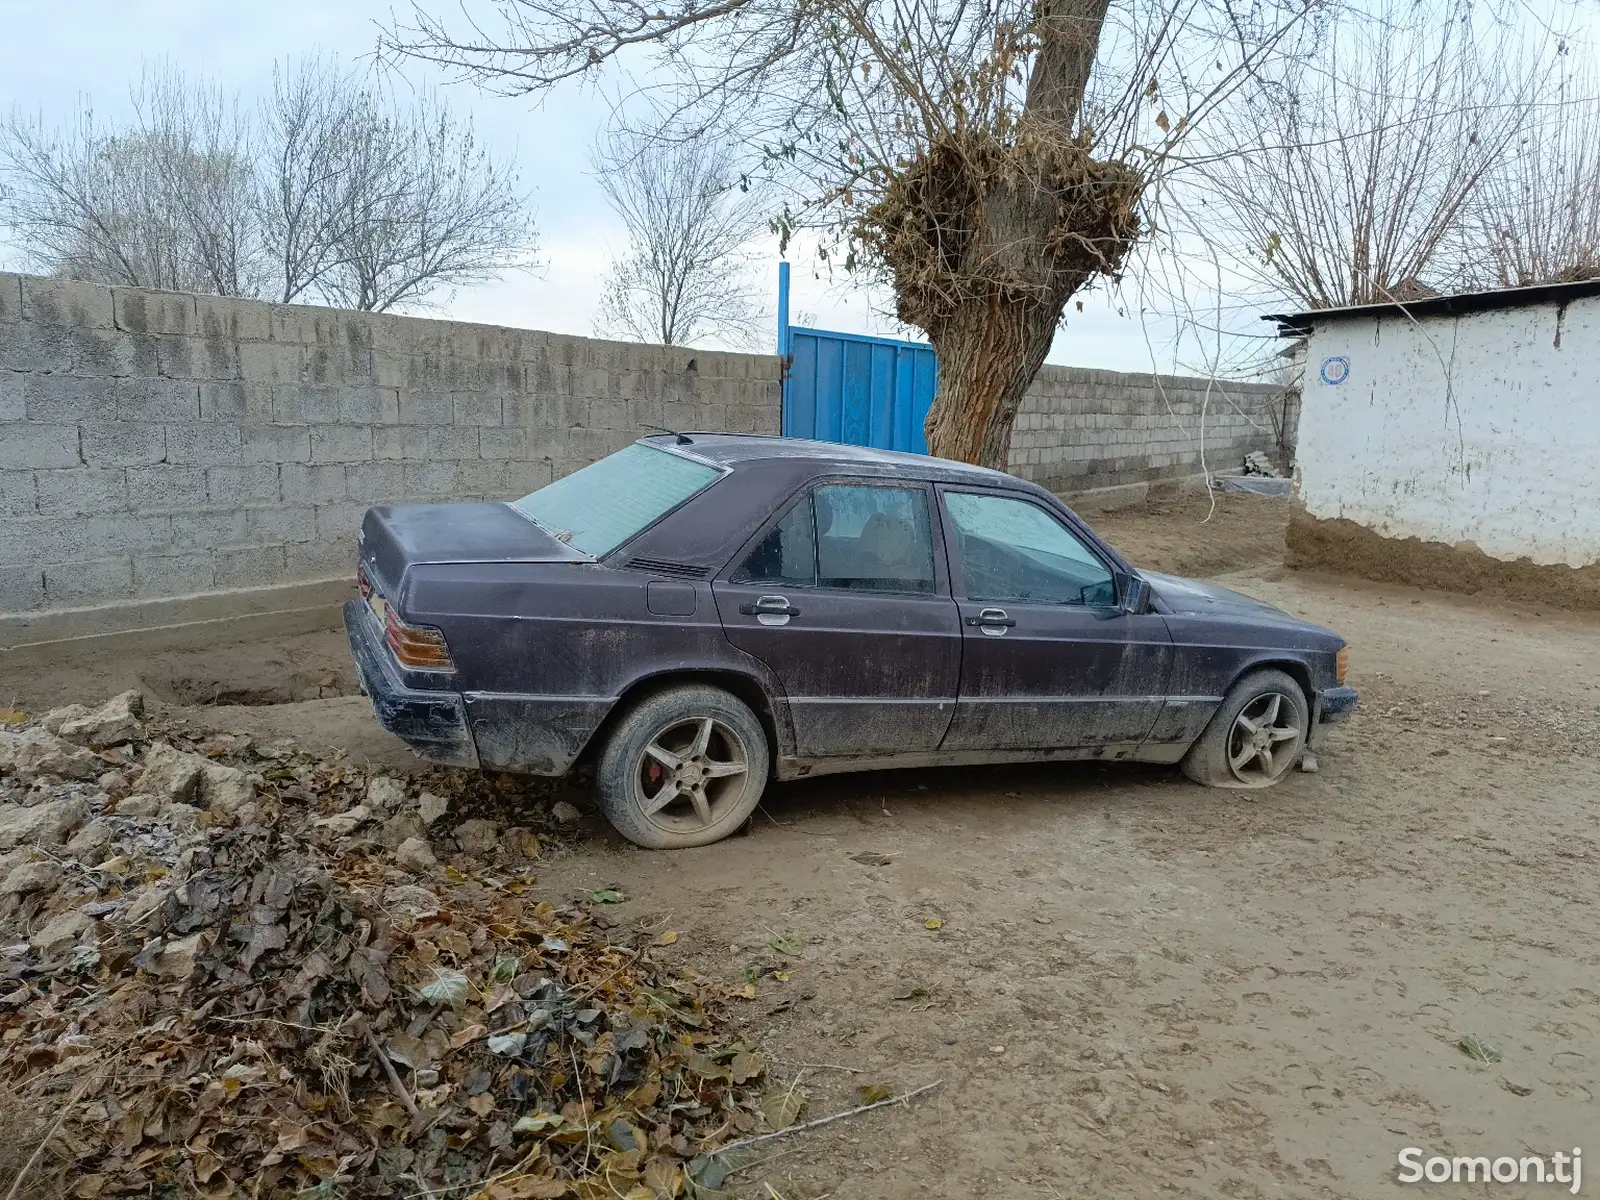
(228, 969)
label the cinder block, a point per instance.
(340, 521)
(157, 400)
(504, 376)
(158, 575)
(275, 444)
(252, 484)
(198, 358)
(426, 408)
(56, 301)
(256, 566)
(436, 443)
(233, 319)
(339, 362)
(17, 495)
(527, 411)
(62, 399)
(72, 584)
(210, 529)
(212, 443)
(81, 491)
(10, 297)
(13, 406)
(235, 400)
(430, 480)
(120, 533)
(32, 445)
(341, 443)
(22, 587)
(122, 443)
(140, 311)
(502, 443)
(269, 363)
(320, 560)
(478, 408)
(166, 488)
(389, 441)
(360, 405)
(321, 483)
(375, 482)
(280, 525)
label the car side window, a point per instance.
(787, 556)
(1016, 552)
(874, 539)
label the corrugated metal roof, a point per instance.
(1301, 323)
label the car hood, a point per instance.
(396, 538)
(1191, 597)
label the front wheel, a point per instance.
(1256, 737)
(685, 768)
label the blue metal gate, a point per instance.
(846, 387)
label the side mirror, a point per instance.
(1133, 593)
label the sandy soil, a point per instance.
(1139, 987)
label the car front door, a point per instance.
(846, 600)
(1049, 659)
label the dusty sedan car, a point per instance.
(700, 613)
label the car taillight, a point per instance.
(363, 584)
(419, 646)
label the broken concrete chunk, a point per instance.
(564, 812)
(345, 823)
(94, 836)
(415, 855)
(477, 837)
(39, 824)
(36, 752)
(43, 875)
(431, 807)
(113, 783)
(385, 792)
(53, 720)
(170, 773)
(141, 805)
(113, 723)
(398, 829)
(177, 959)
(60, 934)
(181, 817)
(226, 790)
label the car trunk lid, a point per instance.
(395, 538)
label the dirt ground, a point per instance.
(1135, 987)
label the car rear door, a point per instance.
(1049, 661)
(845, 597)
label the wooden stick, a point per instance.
(388, 1069)
(838, 1116)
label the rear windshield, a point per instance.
(598, 508)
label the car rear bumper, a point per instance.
(434, 724)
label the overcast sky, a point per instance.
(51, 54)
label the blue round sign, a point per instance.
(1335, 370)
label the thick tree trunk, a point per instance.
(993, 337)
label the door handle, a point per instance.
(992, 621)
(770, 610)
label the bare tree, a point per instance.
(1349, 175)
(164, 201)
(333, 192)
(987, 159)
(1536, 217)
(689, 217)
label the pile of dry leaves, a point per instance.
(228, 969)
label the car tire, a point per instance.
(1255, 737)
(685, 767)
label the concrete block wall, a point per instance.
(1080, 430)
(157, 445)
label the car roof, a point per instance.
(737, 449)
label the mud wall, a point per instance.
(1479, 431)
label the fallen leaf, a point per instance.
(469, 1033)
(745, 1065)
(668, 938)
(607, 896)
(537, 1123)
(748, 991)
(909, 993)
(787, 943)
(447, 987)
(1474, 1046)
(869, 858)
(482, 1104)
(781, 976)
(873, 1093)
(15, 716)
(933, 923)
(782, 1109)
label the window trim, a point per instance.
(958, 577)
(936, 535)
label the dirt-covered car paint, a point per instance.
(549, 644)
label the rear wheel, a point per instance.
(684, 768)
(1256, 736)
